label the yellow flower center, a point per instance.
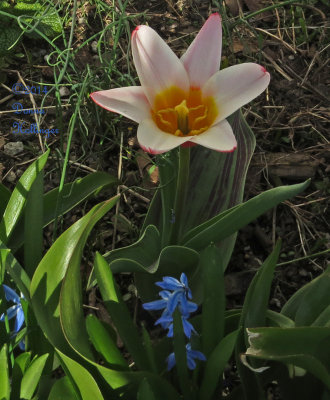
(181, 114)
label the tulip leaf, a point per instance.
(172, 260)
(62, 389)
(310, 301)
(81, 379)
(217, 179)
(32, 376)
(18, 198)
(119, 312)
(4, 374)
(305, 347)
(229, 222)
(215, 366)
(104, 343)
(141, 256)
(72, 194)
(62, 263)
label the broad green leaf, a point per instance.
(145, 391)
(32, 376)
(63, 261)
(119, 312)
(20, 365)
(62, 390)
(305, 347)
(18, 198)
(141, 256)
(73, 193)
(214, 300)
(309, 302)
(224, 225)
(4, 195)
(172, 260)
(15, 270)
(215, 366)
(4, 375)
(217, 179)
(81, 378)
(33, 233)
(104, 344)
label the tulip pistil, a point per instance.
(182, 113)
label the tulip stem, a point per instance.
(181, 193)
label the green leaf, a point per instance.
(15, 270)
(257, 297)
(217, 179)
(62, 263)
(20, 365)
(172, 260)
(119, 312)
(4, 375)
(63, 390)
(215, 366)
(73, 193)
(214, 300)
(181, 355)
(305, 347)
(81, 378)
(18, 198)
(230, 222)
(254, 314)
(104, 344)
(33, 233)
(4, 196)
(32, 376)
(141, 256)
(145, 392)
(310, 301)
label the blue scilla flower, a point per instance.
(174, 296)
(175, 293)
(14, 311)
(191, 356)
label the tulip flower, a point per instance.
(184, 101)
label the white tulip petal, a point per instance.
(156, 64)
(219, 137)
(202, 59)
(154, 141)
(235, 86)
(128, 101)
